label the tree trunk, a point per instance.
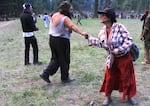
(95, 9)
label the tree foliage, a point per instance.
(11, 8)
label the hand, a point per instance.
(85, 35)
(142, 38)
(115, 51)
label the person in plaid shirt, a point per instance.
(119, 72)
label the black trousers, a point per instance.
(60, 49)
(33, 42)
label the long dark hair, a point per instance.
(64, 8)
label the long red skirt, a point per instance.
(120, 77)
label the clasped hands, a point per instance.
(85, 34)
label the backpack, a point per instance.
(134, 51)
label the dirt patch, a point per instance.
(26, 85)
(5, 24)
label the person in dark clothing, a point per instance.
(145, 37)
(79, 19)
(143, 18)
(28, 28)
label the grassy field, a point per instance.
(21, 85)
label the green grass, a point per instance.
(22, 86)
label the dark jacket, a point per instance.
(27, 22)
(146, 32)
(143, 19)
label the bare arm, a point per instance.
(75, 28)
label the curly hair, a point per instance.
(64, 8)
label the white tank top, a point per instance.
(60, 30)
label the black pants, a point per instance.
(60, 49)
(31, 40)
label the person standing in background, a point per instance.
(46, 20)
(28, 27)
(145, 36)
(79, 19)
(143, 18)
(34, 17)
